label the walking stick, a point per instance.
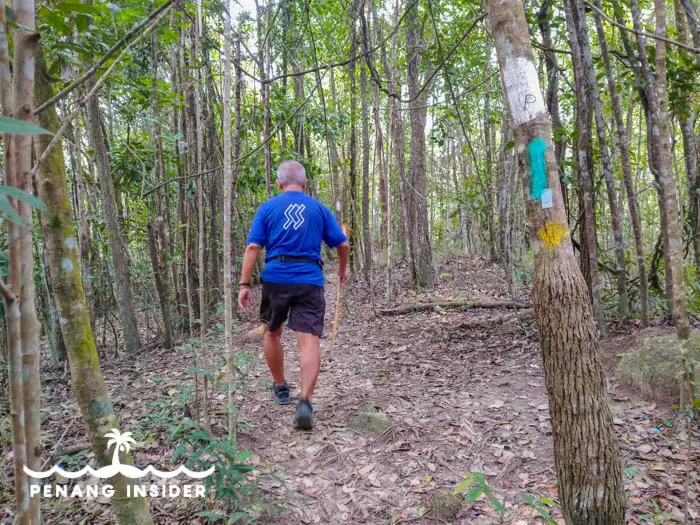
(338, 301)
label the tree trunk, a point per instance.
(364, 116)
(552, 64)
(419, 233)
(122, 279)
(586, 455)
(589, 251)
(657, 95)
(12, 301)
(157, 238)
(25, 42)
(623, 146)
(201, 233)
(228, 223)
(64, 263)
(579, 17)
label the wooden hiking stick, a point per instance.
(338, 301)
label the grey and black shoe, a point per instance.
(281, 393)
(304, 418)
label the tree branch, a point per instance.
(93, 69)
(89, 94)
(351, 59)
(642, 33)
(7, 294)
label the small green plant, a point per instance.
(229, 484)
(656, 516)
(476, 485)
(541, 506)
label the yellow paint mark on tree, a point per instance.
(552, 233)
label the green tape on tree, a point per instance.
(538, 167)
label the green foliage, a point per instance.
(8, 211)
(13, 126)
(657, 517)
(541, 506)
(475, 485)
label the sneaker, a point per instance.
(281, 393)
(304, 417)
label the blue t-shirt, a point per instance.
(294, 224)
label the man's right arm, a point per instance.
(245, 296)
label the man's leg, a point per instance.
(272, 349)
(310, 362)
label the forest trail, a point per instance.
(463, 392)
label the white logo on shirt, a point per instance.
(295, 216)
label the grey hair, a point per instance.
(291, 172)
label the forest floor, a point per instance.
(408, 406)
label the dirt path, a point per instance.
(463, 392)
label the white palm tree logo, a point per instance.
(121, 442)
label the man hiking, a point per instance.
(291, 228)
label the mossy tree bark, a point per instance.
(64, 264)
(586, 455)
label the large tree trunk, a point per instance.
(64, 263)
(122, 279)
(623, 146)
(589, 250)
(418, 209)
(586, 455)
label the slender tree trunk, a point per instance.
(11, 297)
(64, 264)
(364, 116)
(237, 101)
(420, 234)
(657, 96)
(552, 64)
(490, 202)
(228, 223)
(687, 116)
(579, 16)
(25, 42)
(119, 255)
(263, 60)
(157, 238)
(582, 425)
(623, 146)
(589, 251)
(203, 301)
(349, 212)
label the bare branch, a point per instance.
(642, 33)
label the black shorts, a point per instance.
(304, 304)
